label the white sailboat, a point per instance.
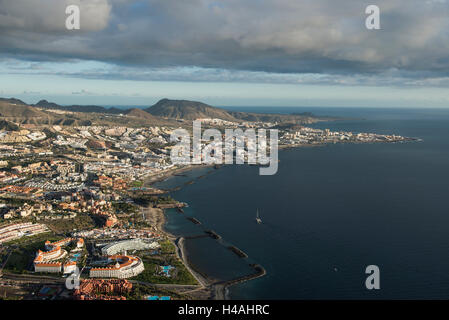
(258, 220)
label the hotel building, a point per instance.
(124, 267)
(47, 261)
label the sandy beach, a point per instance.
(155, 217)
(168, 173)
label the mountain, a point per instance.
(166, 112)
(46, 113)
(47, 105)
(187, 110)
(192, 110)
(14, 110)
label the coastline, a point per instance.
(169, 173)
(216, 289)
(157, 217)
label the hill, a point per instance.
(166, 112)
(14, 110)
(273, 117)
(192, 110)
(44, 113)
(187, 110)
(44, 104)
(139, 113)
(13, 101)
(137, 116)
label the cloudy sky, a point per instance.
(230, 52)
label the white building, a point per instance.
(125, 267)
(70, 267)
(132, 244)
(54, 267)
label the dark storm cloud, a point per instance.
(273, 36)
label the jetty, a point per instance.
(220, 286)
(213, 234)
(260, 272)
(174, 205)
(238, 252)
(194, 220)
(199, 236)
(179, 209)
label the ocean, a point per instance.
(329, 212)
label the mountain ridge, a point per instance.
(165, 111)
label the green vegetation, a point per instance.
(123, 207)
(165, 200)
(144, 199)
(24, 250)
(49, 133)
(136, 184)
(152, 274)
(80, 222)
(167, 247)
(139, 292)
(180, 275)
(17, 202)
(42, 237)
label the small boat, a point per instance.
(258, 220)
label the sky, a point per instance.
(227, 53)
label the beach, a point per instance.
(168, 173)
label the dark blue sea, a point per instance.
(329, 212)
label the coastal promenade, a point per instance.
(217, 288)
(181, 253)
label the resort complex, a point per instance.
(120, 267)
(51, 260)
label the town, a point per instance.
(81, 199)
